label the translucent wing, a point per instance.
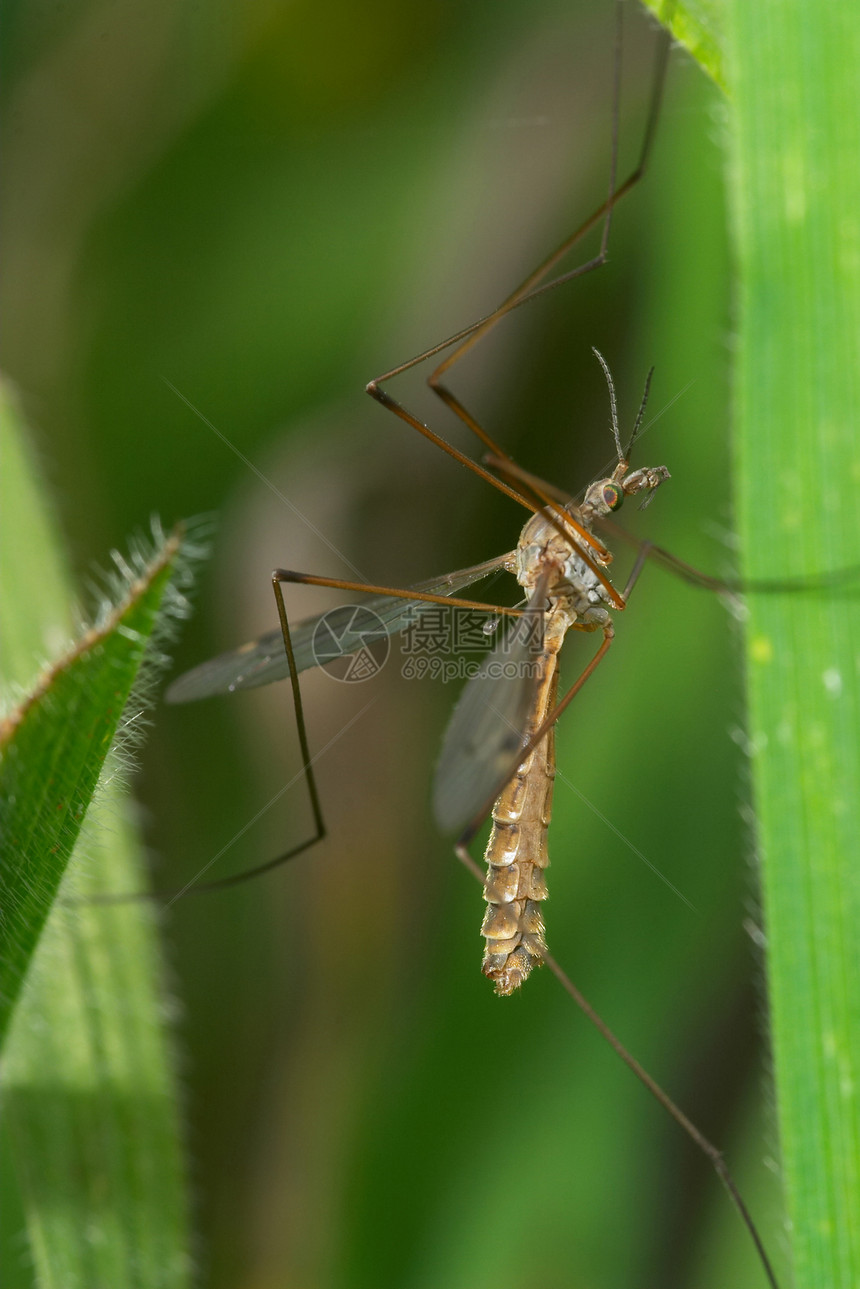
(485, 736)
(263, 661)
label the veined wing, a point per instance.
(484, 740)
(263, 661)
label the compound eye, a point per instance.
(613, 496)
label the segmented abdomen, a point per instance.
(516, 853)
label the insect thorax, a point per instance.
(542, 549)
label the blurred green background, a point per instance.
(266, 205)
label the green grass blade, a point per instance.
(90, 1116)
(796, 205)
(52, 748)
(791, 73)
(699, 25)
(90, 1106)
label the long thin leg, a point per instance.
(529, 289)
(522, 495)
(831, 580)
(507, 465)
(566, 525)
(553, 500)
(533, 286)
(708, 1149)
(223, 883)
(362, 588)
(382, 396)
(828, 581)
(526, 289)
(280, 576)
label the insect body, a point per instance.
(557, 567)
(499, 745)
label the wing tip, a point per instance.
(181, 689)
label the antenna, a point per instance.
(613, 402)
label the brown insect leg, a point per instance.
(279, 576)
(587, 671)
(833, 580)
(531, 287)
(534, 284)
(708, 1149)
(562, 520)
(704, 1145)
(310, 579)
(222, 883)
(506, 465)
(382, 396)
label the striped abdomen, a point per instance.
(516, 854)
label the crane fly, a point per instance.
(498, 754)
(498, 717)
(499, 746)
